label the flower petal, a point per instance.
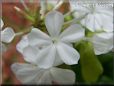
(103, 43)
(37, 37)
(46, 78)
(108, 24)
(26, 73)
(104, 35)
(30, 74)
(80, 10)
(58, 60)
(54, 21)
(30, 54)
(63, 76)
(105, 10)
(93, 22)
(68, 54)
(58, 75)
(46, 57)
(2, 23)
(23, 43)
(73, 33)
(7, 35)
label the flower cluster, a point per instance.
(45, 51)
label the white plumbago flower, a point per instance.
(93, 18)
(7, 35)
(56, 47)
(102, 43)
(94, 15)
(31, 74)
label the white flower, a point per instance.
(96, 16)
(57, 47)
(7, 35)
(31, 74)
(102, 42)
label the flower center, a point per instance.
(55, 40)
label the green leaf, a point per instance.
(91, 68)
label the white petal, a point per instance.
(46, 57)
(57, 75)
(105, 10)
(102, 44)
(46, 78)
(30, 74)
(2, 23)
(22, 44)
(7, 35)
(30, 54)
(68, 54)
(80, 10)
(73, 33)
(37, 37)
(26, 73)
(108, 24)
(105, 35)
(63, 76)
(54, 21)
(93, 22)
(58, 60)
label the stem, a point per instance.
(68, 13)
(69, 22)
(58, 5)
(24, 5)
(43, 8)
(23, 32)
(19, 33)
(87, 39)
(24, 13)
(75, 20)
